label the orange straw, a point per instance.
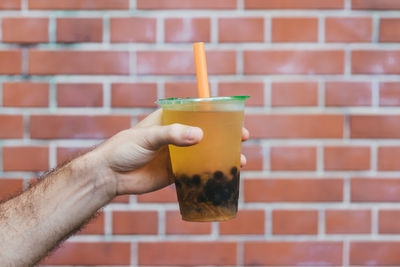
(201, 70)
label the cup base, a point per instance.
(212, 219)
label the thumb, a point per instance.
(175, 134)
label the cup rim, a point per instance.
(184, 100)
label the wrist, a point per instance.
(93, 166)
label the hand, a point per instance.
(139, 157)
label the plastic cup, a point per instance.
(207, 174)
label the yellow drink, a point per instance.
(207, 174)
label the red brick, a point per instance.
(182, 63)
(78, 4)
(135, 222)
(11, 126)
(254, 156)
(389, 221)
(375, 253)
(90, 253)
(348, 29)
(348, 94)
(180, 89)
(293, 253)
(389, 94)
(375, 126)
(25, 30)
(293, 158)
(375, 190)
(137, 30)
(59, 126)
(42, 62)
(389, 30)
(346, 158)
(293, 190)
(79, 95)
(9, 187)
(176, 226)
(75, 30)
(190, 253)
(165, 195)
(375, 62)
(348, 221)
(375, 4)
(247, 222)
(95, 226)
(25, 94)
(186, 4)
(295, 126)
(253, 89)
(234, 30)
(184, 30)
(120, 199)
(284, 94)
(294, 62)
(10, 62)
(294, 4)
(10, 4)
(388, 158)
(294, 30)
(294, 222)
(24, 158)
(68, 153)
(128, 95)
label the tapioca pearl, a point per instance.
(196, 180)
(218, 175)
(234, 171)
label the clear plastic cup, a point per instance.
(207, 174)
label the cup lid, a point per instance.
(185, 100)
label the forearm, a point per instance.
(37, 220)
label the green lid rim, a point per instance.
(183, 100)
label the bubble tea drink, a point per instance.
(207, 174)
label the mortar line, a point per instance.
(132, 5)
(346, 253)
(239, 254)
(161, 223)
(53, 103)
(375, 93)
(321, 93)
(107, 96)
(108, 223)
(134, 254)
(374, 222)
(321, 223)
(321, 29)
(160, 30)
(52, 155)
(239, 62)
(375, 28)
(52, 31)
(320, 158)
(214, 30)
(374, 157)
(240, 4)
(1, 92)
(268, 223)
(1, 30)
(106, 29)
(267, 29)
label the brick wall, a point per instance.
(322, 184)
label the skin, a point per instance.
(134, 161)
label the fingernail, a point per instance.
(192, 133)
